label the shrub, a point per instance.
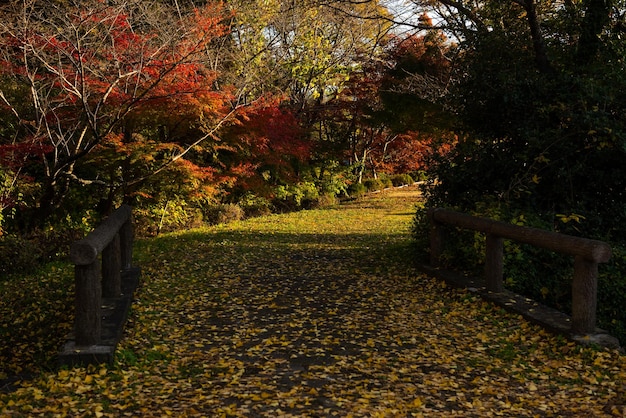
(223, 213)
(357, 190)
(23, 254)
(373, 185)
(326, 200)
(55, 244)
(335, 184)
(254, 205)
(385, 180)
(18, 255)
(296, 196)
(401, 180)
(419, 175)
(611, 294)
(168, 216)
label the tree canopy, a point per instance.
(185, 105)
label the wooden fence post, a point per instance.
(111, 269)
(494, 260)
(436, 240)
(87, 325)
(584, 295)
(126, 243)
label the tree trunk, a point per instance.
(541, 56)
(597, 16)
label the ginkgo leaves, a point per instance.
(320, 314)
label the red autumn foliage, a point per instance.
(268, 135)
(92, 75)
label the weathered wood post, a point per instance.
(87, 324)
(126, 243)
(112, 269)
(584, 295)
(89, 287)
(436, 239)
(494, 263)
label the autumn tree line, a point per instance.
(201, 111)
(181, 107)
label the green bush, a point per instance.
(254, 205)
(401, 180)
(166, 216)
(357, 190)
(419, 175)
(385, 180)
(296, 196)
(23, 254)
(55, 244)
(326, 200)
(373, 185)
(18, 255)
(612, 294)
(223, 213)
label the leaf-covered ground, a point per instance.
(319, 314)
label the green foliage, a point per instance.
(254, 205)
(357, 190)
(386, 180)
(326, 200)
(223, 213)
(166, 216)
(401, 180)
(611, 291)
(21, 254)
(333, 178)
(18, 255)
(542, 141)
(296, 196)
(373, 185)
(420, 175)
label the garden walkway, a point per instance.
(318, 314)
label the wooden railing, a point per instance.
(113, 239)
(587, 254)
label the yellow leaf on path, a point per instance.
(417, 403)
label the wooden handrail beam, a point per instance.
(86, 250)
(593, 250)
(587, 254)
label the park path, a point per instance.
(322, 313)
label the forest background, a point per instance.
(203, 111)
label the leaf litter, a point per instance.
(321, 313)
